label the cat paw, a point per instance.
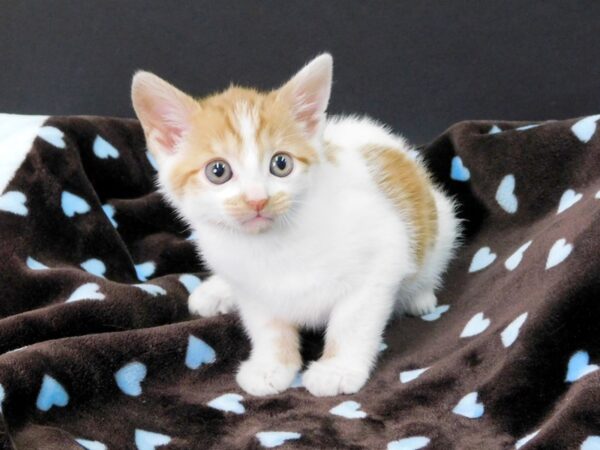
(211, 298)
(260, 378)
(422, 303)
(331, 377)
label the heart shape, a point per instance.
(147, 440)
(505, 195)
(410, 443)
(151, 289)
(559, 251)
(87, 291)
(103, 149)
(511, 332)
(94, 266)
(458, 171)
(568, 199)
(190, 282)
(579, 366)
(515, 259)
(270, 439)
(478, 324)
(482, 258)
(436, 313)
(597, 196)
(151, 160)
(51, 394)
(228, 403)
(53, 136)
(129, 378)
(528, 127)
(585, 128)
(34, 264)
(145, 270)
(73, 204)
(91, 445)
(2, 396)
(410, 375)
(525, 439)
(192, 237)
(109, 210)
(495, 130)
(198, 353)
(468, 407)
(349, 409)
(14, 202)
(591, 443)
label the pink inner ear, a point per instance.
(308, 109)
(172, 124)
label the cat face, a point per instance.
(239, 159)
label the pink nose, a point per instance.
(258, 205)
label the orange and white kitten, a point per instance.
(305, 221)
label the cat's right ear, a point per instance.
(164, 111)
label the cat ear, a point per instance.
(163, 110)
(308, 93)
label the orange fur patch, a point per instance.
(330, 350)
(216, 132)
(287, 343)
(409, 187)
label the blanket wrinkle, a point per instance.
(98, 350)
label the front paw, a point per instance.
(421, 304)
(330, 377)
(211, 298)
(265, 378)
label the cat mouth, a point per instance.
(258, 221)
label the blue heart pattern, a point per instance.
(151, 289)
(271, 439)
(436, 313)
(410, 375)
(53, 136)
(88, 291)
(52, 393)
(511, 332)
(579, 366)
(151, 160)
(481, 259)
(91, 445)
(568, 199)
(349, 409)
(148, 440)
(525, 439)
(191, 282)
(409, 443)
(559, 251)
(73, 204)
(477, 325)
(198, 353)
(228, 403)
(458, 171)
(103, 149)
(469, 407)
(34, 264)
(109, 210)
(129, 378)
(505, 195)
(585, 128)
(145, 270)
(14, 202)
(94, 266)
(591, 443)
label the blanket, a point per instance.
(98, 350)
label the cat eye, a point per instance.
(218, 172)
(282, 165)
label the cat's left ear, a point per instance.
(308, 93)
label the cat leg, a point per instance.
(352, 342)
(211, 298)
(421, 303)
(275, 356)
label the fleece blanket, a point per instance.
(98, 350)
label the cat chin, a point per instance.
(257, 225)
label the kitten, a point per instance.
(305, 221)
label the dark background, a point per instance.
(418, 65)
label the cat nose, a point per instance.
(257, 204)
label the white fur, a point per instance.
(345, 264)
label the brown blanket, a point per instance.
(99, 351)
